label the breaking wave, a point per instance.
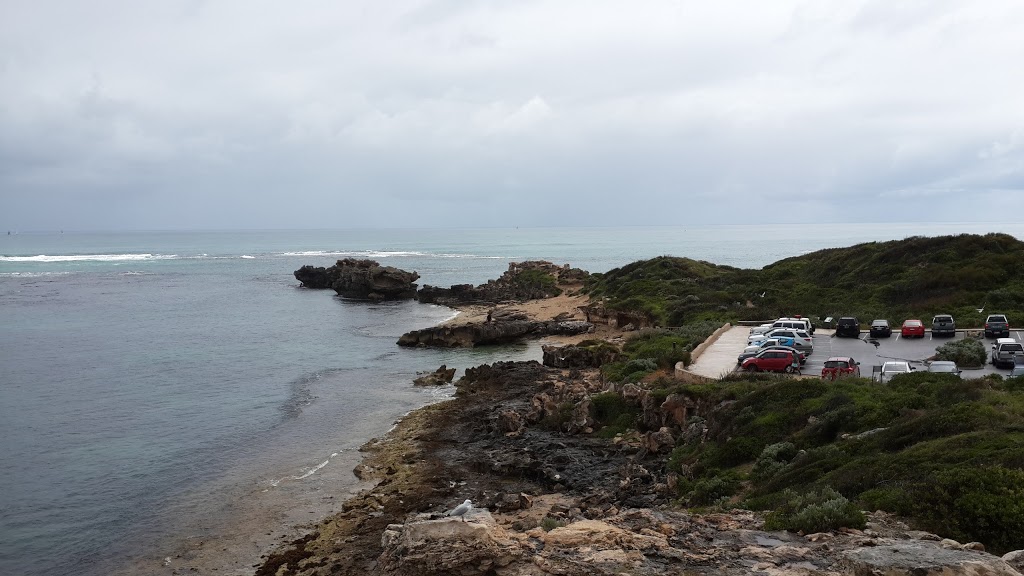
(387, 254)
(88, 258)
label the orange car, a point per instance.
(912, 328)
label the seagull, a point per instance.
(461, 509)
(763, 293)
(980, 310)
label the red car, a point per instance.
(773, 361)
(840, 366)
(912, 328)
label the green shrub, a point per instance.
(966, 352)
(712, 488)
(977, 503)
(772, 460)
(614, 411)
(817, 511)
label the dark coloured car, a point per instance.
(997, 325)
(848, 326)
(943, 325)
(880, 329)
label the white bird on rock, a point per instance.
(461, 509)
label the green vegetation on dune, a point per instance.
(915, 277)
(945, 453)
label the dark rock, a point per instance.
(361, 279)
(521, 282)
(439, 377)
(590, 354)
(469, 335)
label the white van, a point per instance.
(805, 323)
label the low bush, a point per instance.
(816, 511)
(712, 488)
(772, 460)
(979, 503)
(969, 352)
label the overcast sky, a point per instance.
(329, 114)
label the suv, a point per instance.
(848, 326)
(1005, 350)
(840, 366)
(773, 360)
(997, 325)
(943, 324)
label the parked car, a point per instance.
(840, 366)
(912, 328)
(760, 329)
(770, 344)
(807, 325)
(848, 326)
(893, 368)
(1018, 370)
(944, 367)
(801, 339)
(943, 325)
(880, 329)
(997, 325)
(1005, 352)
(773, 361)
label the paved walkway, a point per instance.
(720, 358)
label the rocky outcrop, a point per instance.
(361, 279)
(588, 354)
(439, 377)
(922, 558)
(469, 335)
(523, 281)
(472, 544)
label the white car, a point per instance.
(892, 368)
(761, 329)
(801, 339)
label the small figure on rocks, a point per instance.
(489, 313)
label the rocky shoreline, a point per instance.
(551, 496)
(558, 500)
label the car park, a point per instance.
(996, 326)
(943, 325)
(1005, 352)
(772, 361)
(893, 368)
(880, 329)
(848, 326)
(839, 367)
(944, 367)
(912, 328)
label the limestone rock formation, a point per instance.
(361, 279)
(469, 335)
(523, 281)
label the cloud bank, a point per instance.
(258, 114)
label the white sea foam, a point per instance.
(387, 254)
(87, 257)
(312, 470)
(247, 257)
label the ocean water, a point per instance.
(151, 383)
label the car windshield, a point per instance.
(1012, 348)
(879, 323)
(836, 364)
(894, 367)
(942, 318)
(913, 323)
(943, 367)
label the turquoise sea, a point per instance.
(155, 385)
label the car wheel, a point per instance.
(752, 368)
